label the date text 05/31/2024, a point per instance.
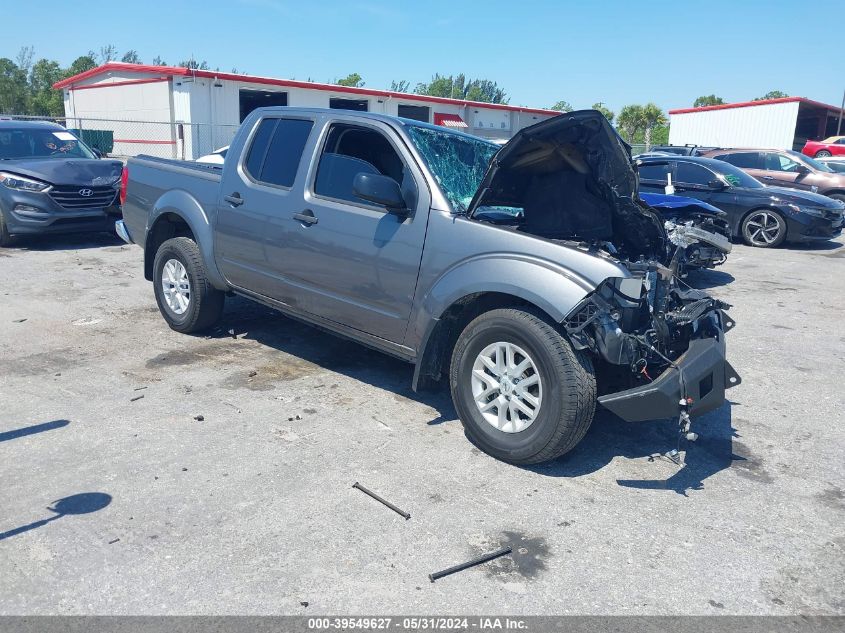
(417, 623)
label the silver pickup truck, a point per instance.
(531, 275)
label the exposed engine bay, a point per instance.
(661, 343)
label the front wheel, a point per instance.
(764, 229)
(185, 297)
(5, 238)
(822, 153)
(523, 394)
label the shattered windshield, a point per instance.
(457, 162)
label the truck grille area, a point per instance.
(75, 197)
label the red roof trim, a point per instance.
(748, 104)
(128, 82)
(290, 83)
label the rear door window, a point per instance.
(692, 174)
(283, 141)
(744, 160)
(779, 162)
(654, 171)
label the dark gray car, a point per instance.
(51, 182)
(531, 277)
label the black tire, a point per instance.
(750, 230)
(822, 153)
(5, 238)
(837, 196)
(205, 302)
(569, 392)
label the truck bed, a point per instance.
(159, 182)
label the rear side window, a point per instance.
(745, 160)
(692, 174)
(277, 149)
(653, 171)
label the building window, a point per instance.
(361, 105)
(249, 100)
(415, 112)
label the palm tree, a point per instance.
(652, 117)
(631, 121)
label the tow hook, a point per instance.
(684, 432)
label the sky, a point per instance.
(615, 51)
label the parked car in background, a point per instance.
(700, 230)
(680, 150)
(520, 274)
(217, 157)
(833, 146)
(836, 163)
(785, 168)
(762, 216)
(51, 182)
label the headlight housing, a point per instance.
(21, 183)
(797, 208)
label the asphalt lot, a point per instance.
(251, 510)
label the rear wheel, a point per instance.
(523, 394)
(822, 153)
(764, 228)
(837, 196)
(185, 297)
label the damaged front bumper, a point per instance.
(701, 374)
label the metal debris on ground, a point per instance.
(19, 320)
(136, 398)
(114, 541)
(199, 418)
(139, 388)
(472, 563)
(382, 501)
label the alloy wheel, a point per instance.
(763, 228)
(506, 387)
(176, 286)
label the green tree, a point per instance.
(652, 116)
(13, 88)
(457, 87)
(608, 114)
(707, 100)
(193, 64)
(158, 61)
(43, 100)
(80, 65)
(562, 106)
(631, 121)
(772, 94)
(400, 86)
(131, 57)
(353, 80)
(108, 53)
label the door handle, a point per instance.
(234, 199)
(767, 177)
(306, 217)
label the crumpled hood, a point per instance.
(602, 151)
(662, 201)
(66, 171)
(574, 174)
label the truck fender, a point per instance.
(551, 288)
(183, 205)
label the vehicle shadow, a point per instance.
(63, 242)
(829, 245)
(32, 430)
(269, 327)
(83, 503)
(703, 279)
(610, 436)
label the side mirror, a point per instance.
(381, 190)
(716, 184)
(97, 152)
(802, 169)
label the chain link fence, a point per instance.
(124, 138)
